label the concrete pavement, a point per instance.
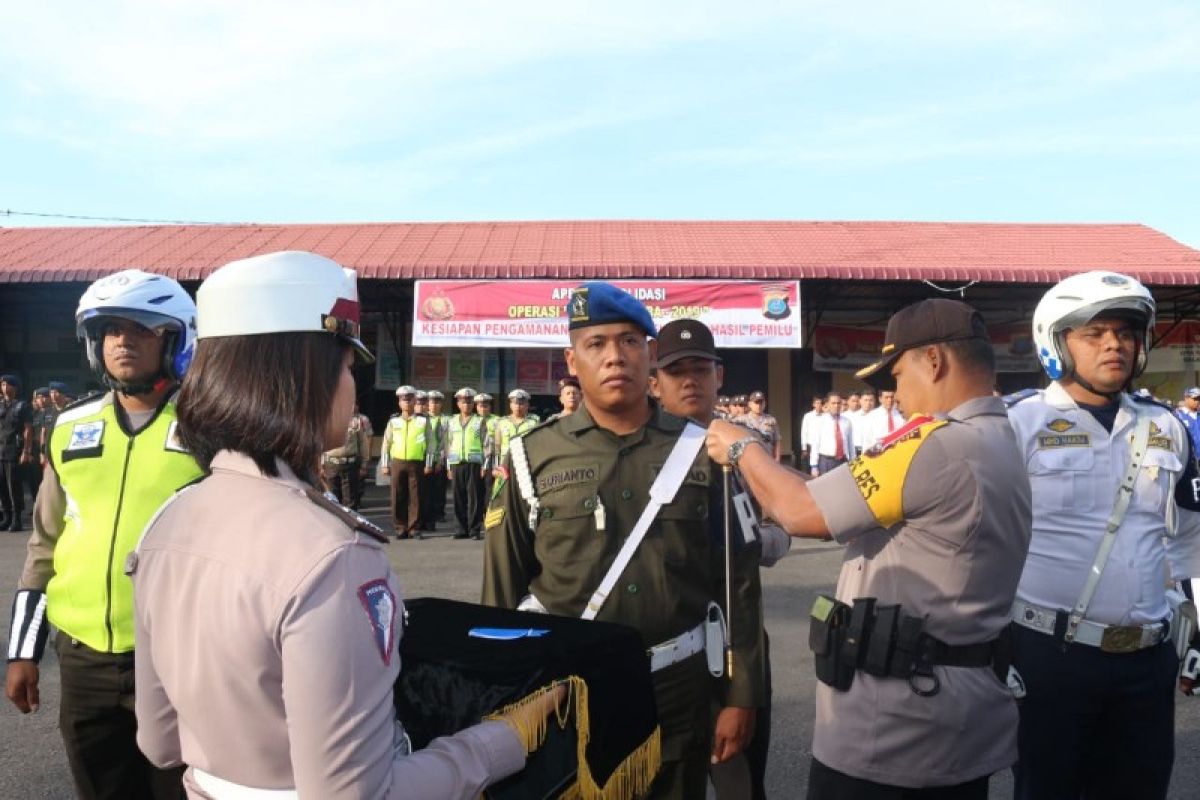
(32, 764)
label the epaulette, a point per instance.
(1011, 400)
(356, 521)
(1150, 401)
(77, 408)
(90, 397)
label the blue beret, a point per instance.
(44, 391)
(13, 379)
(59, 386)
(599, 303)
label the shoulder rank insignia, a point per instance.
(1011, 400)
(353, 519)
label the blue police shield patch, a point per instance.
(86, 434)
(380, 605)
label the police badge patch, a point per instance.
(380, 605)
(86, 435)
(173, 442)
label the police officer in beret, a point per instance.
(577, 486)
(911, 654)
(16, 450)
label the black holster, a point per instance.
(828, 625)
(884, 642)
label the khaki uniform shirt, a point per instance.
(268, 626)
(358, 440)
(577, 467)
(938, 520)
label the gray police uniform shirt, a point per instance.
(1075, 466)
(936, 518)
(268, 629)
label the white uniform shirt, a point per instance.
(808, 427)
(825, 438)
(875, 426)
(1075, 467)
(856, 418)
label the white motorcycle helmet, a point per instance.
(152, 301)
(286, 292)
(1077, 300)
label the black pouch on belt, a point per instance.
(827, 628)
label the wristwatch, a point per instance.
(739, 447)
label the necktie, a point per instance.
(839, 450)
(891, 422)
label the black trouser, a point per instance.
(33, 476)
(756, 752)
(99, 728)
(345, 481)
(468, 497)
(828, 463)
(433, 503)
(1094, 724)
(12, 488)
(825, 783)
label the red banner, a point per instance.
(849, 349)
(533, 313)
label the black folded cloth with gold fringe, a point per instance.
(462, 663)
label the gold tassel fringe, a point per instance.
(631, 778)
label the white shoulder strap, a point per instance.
(662, 491)
(1137, 452)
(520, 462)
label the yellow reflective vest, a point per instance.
(509, 427)
(464, 442)
(408, 439)
(114, 483)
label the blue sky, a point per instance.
(387, 111)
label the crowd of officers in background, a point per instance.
(426, 451)
(24, 429)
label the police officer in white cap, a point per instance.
(1113, 514)
(465, 435)
(518, 421)
(282, 686)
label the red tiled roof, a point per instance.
(997, 252)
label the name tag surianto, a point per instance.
(548, 482)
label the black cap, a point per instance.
(923, 323)
(684, 338)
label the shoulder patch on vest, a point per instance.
(173, 443)
(355, 521)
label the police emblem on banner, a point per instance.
(380, 604)
(776, 302)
